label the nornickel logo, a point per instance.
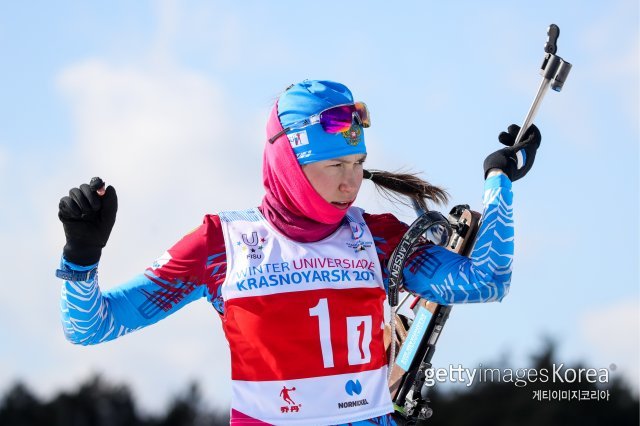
(350, 404)
(353, 387)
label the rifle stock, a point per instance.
(407, 373)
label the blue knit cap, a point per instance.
(312, 143)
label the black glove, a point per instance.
(87, 219)
(514, 161)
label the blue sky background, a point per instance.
(167, 101)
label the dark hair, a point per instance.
(392, 185)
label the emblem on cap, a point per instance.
(298, 139)
(353, 135)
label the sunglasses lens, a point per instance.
(337, 119)
(363, 114)
(340, 118)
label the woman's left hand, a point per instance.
(515, 160)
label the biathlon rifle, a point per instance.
(417, 336)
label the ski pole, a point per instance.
(554, 71)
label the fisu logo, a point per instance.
(252, 245)
(253, 241)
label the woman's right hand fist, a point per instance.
(87, 214)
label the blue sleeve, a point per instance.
(445, 277)
(91, 316)
(385, 420)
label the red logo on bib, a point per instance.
(292, 407)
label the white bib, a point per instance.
(304, 323)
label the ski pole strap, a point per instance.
(405, 247)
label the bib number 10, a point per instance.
(358, 336)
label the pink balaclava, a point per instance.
(291, 204)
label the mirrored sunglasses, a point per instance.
(333, 120)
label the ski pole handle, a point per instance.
(554, 72)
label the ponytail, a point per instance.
(392, 185)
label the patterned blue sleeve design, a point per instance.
(385, 420)
(444, 277)
(91, 316)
